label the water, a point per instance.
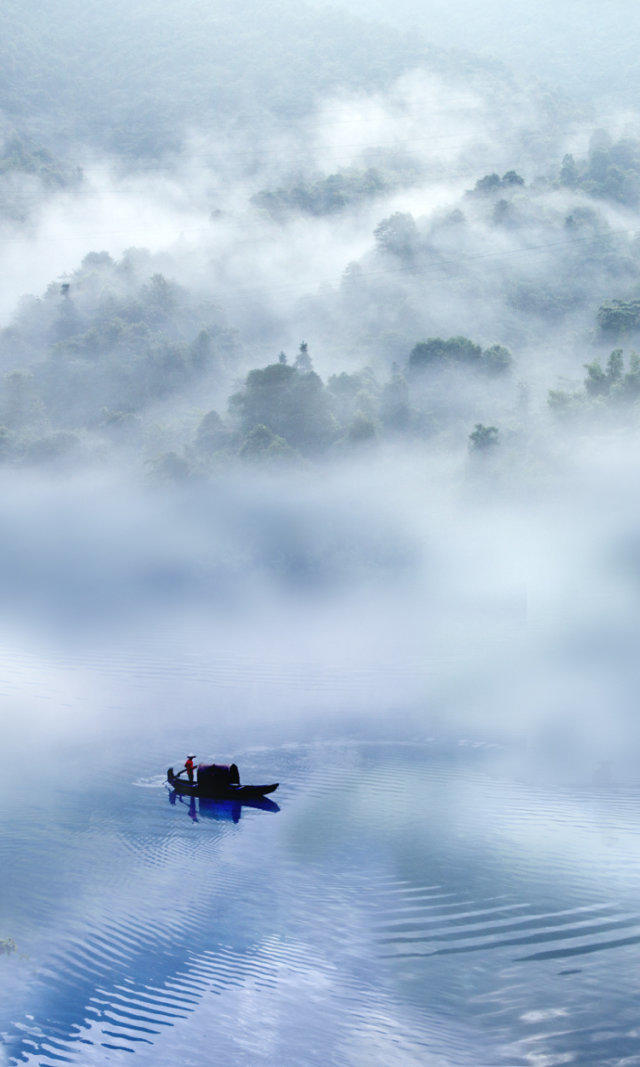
(449, 701)
(424, 901)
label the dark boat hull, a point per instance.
(219, 792)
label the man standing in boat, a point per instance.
(188, 766)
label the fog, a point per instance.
(360, 227)
(567, 45)
(319, 409)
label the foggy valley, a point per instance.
(319, 424)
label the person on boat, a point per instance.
(188, 766)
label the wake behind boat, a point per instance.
(218, 781)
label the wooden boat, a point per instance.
(219, 782)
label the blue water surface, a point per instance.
(411, 902)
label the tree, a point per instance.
(394, 402)
(569, 174)
(497, 359)
(211, 434)
(596, 382)
(200, 350)
(630, 385)
(5, 443)
(483, 438)
(562, 402)
(615, 365)
(611, 385)
(303, 362)
(20, 404)
(262, 444)
(362, 429)
(437, 352)
(293, 405)
(487, 185)
(613, 382)
(502, 213)
(398, 235)
(619, 316)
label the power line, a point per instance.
(408, 269)
(470, 257)
(405, 145)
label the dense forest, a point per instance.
(60, 86)
(458, 321)
(121, 360)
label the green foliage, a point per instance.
(362, 429)
(493, 183)
(20, 155)
(569, 173)
(398, 235)
(597, 382)
(619, 317)
(352, 394)
(5, 443)
(303, 362)
(483, 438)
(121, 426)
(324, 196)
(497, 359)
(395, 411)
(611, 171)
(615, 365)
(20, 403)
(437, 352)
(561, 402)
(135, 78)
(291, 403)
(28, 173)
(212, 435)
(613, 382)
(502, 213)
(611, 385)
(7, 946)
(264, 445)
(115, 339)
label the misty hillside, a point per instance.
(357, 239)
(319, 438)
(205, 64)
(568, 44)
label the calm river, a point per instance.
(447, 694)
(413, 901)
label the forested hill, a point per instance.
(452, 265)
(134, 78)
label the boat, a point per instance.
(218, 781)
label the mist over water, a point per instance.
(318, 453)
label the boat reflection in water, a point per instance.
(221, 810)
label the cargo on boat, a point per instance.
(218, 780)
